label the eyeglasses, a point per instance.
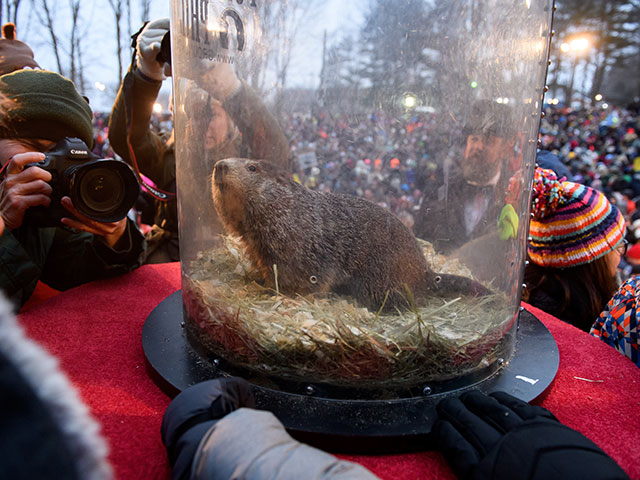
(622, 248)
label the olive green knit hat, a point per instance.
(46, 105)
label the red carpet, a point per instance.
(95, 331)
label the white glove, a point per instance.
(148, 47)
(221, 81)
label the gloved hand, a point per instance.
(148, 47)
(221, 81)
(194, 411)
(196, 100)
(499, 437)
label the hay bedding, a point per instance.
(329, 339)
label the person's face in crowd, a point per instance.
(483, 156)
(614, 256)
(220, 127)
(368, 194)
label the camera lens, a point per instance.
(102, 190)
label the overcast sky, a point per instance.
(98, 27)
(99, 49)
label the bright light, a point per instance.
(577, 45)
(554, 101)
(409, 101)
(100, 86)
(157, 107)
(473, 84)
(598, 97)
(605, 106)
(500, 100)
(580, 44)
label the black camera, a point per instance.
(103, 189)
(164, 55)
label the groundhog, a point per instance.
(325, 242)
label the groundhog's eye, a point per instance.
(252, 168)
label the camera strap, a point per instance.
(4, 167)
(157, 193)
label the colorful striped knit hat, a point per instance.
(572, 224)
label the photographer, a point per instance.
(239, 126)
(41, 109)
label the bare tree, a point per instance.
(612, 28)
(46, 17)
(281, 24)
(74, 6)
(10, 9)
(129, 33)
(117, 7)
(82, 84)
(289, 17)
(145, 7)
(66, 48)
(255, 69)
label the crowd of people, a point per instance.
(379, 157)
(391, 161)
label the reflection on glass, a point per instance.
(352, 190)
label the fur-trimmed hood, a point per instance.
(53, 393)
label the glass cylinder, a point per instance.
(353, 184)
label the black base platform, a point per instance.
(341, 423)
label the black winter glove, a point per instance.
(499, 437)
(194, 411)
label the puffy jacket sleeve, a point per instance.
(133, 106)
(253, 444)
(261, 131)
(79, 257)
(20, 266)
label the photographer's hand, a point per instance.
(23, 188)
(148, 47)
(111, 232)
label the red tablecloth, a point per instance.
(95, 331)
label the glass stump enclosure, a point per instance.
(353, 187)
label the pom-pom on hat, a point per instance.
(572, 224)
(45, 105)
(14, 54)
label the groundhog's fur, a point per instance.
(324, 242)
